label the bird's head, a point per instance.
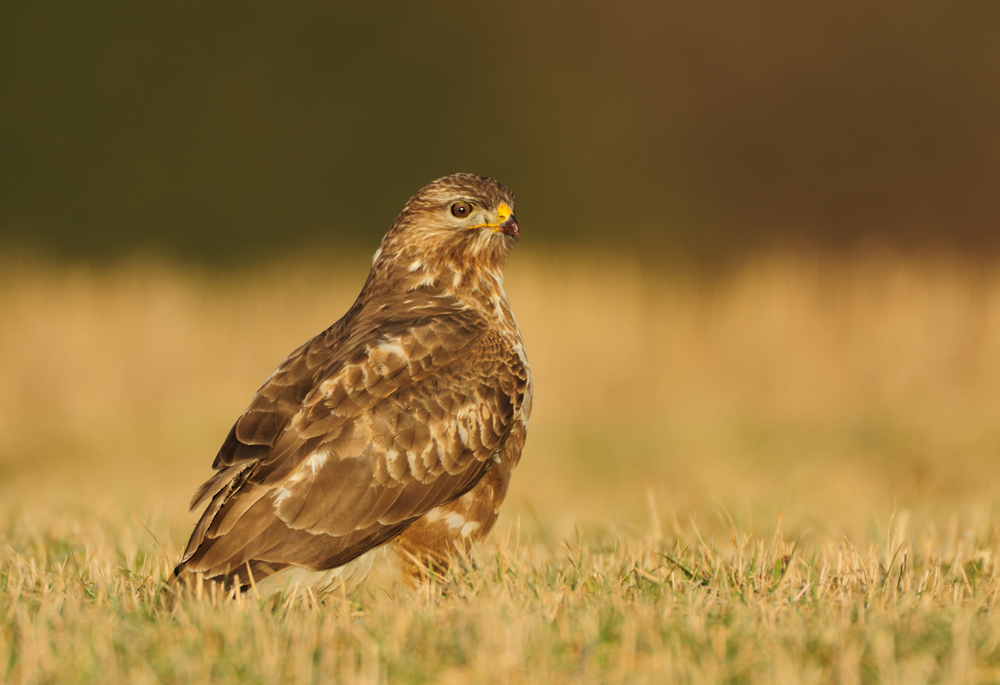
(463, 219)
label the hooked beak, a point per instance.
(506, 222)
(509, 227)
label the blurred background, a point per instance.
(758, 271)
(224, 131)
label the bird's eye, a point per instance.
(461, 209)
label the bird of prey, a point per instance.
(385, 444)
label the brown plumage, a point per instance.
(386, 443)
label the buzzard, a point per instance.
(386, 443)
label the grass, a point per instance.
(780, 473)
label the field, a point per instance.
(782, 471)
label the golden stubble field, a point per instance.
(785, 471)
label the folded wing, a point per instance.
(340, 453)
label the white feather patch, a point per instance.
(316, 461)
(390, 347)
(454, 520)
(350, 575)
(280, 495)
(380, 354)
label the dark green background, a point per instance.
(228, 131)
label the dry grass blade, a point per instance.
(779, 475)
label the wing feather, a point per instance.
(340, 455)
